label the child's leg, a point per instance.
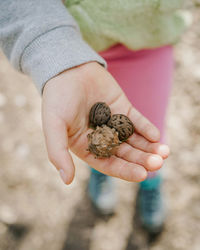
(146, 78)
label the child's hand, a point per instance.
(67, 99)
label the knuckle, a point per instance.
(123, 150)
(152, 147)
(139, 157)
(147, 127)
(150, 130)
(122, 171)
(147, 145)
(146, 161)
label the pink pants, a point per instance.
(146, 78)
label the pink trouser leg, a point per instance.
(146, 78)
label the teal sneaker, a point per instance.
(101, 191)
(150, 205)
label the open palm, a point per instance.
(67, 99)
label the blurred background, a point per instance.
(37, 211)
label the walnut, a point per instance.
(103, 141)
(99, 114)
(123, 126)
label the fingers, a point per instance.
(129, 164)
(143, 126)
(118, 167)
(150, 161)
(57, 147)
(113, 166)
(141, 143)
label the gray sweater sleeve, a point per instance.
(41, 39)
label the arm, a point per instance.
(42, 40)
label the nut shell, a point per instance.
(123, 126)
(103, 141)
(99, 114)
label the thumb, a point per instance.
(56, 138)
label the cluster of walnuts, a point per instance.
(109, 130)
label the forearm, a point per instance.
(41, 39)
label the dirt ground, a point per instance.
(38, 212)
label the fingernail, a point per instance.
(63, 175)
(163, 150)
(155, 161)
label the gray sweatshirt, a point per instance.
(41, 39)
